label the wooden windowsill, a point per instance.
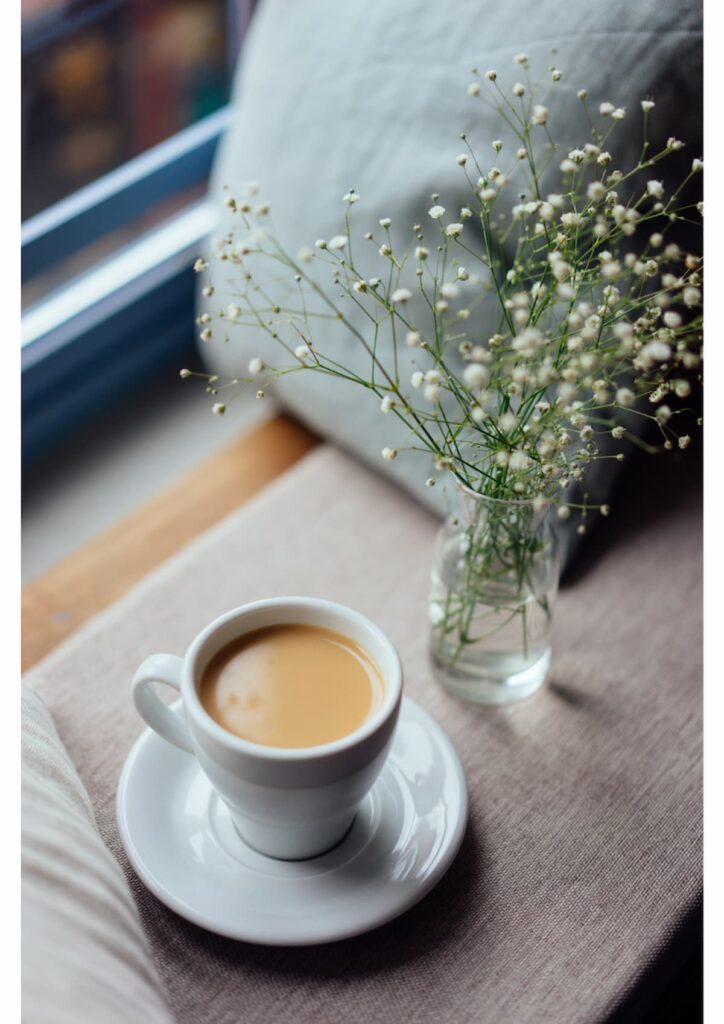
(99, 572)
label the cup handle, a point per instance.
(170, 724)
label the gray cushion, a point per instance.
(85, 957)
(374, 96)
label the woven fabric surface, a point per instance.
(583, 850)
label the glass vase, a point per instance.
(493, 589)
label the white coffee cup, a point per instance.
(289, 803)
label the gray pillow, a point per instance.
(85, 956)
(373, 96)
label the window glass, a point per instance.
(105, 80)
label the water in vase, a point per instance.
(490, 631)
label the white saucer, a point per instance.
(180, 839)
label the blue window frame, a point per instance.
(130, 313)
(84, 344)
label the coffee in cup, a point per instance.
(291, 685)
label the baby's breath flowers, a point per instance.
(598, 323)
(599, 314)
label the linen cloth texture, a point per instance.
(376, 98)
(583, 849)
(85, 958)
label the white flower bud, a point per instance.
(475, 376)
(518, 461)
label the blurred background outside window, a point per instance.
(107, 79)
(104, 81)
(123, 103)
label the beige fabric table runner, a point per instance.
(583, 847)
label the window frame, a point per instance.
(117, 324)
